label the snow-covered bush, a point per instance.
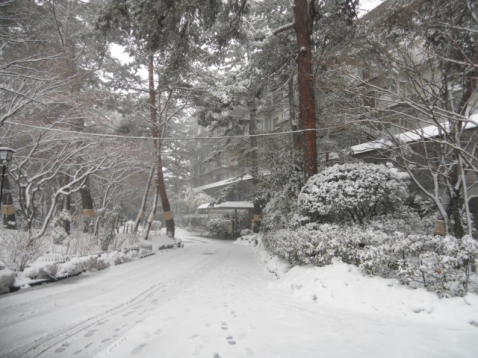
(279, 211)
(18, 249)
(78, 243)
(215, 225)
(76, 265)
(117, 258)
(278, 191)
(354, 192)
(246, 232)
(7, 279)
(41, 270)
(58, 233)
(436, 263)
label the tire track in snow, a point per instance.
(44, 346)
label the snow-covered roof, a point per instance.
(411, 136)
(227, 205)
(224, 182)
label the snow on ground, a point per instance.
(215, 299)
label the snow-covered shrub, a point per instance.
(7, 279)
(58, 233)
(41, 270)
(436, 263)
(354, 192)
(278, 191)
(117, 258)
(246, 232)
(281, 207)
(78, 243)
(102, 263)
(215, 225)
(76, 265)
(106, 239)
(17, 249)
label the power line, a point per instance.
(166, 139)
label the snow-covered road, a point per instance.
(210, 299)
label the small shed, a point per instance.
(228, 205)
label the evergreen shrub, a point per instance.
(353, 192)
(440, 264)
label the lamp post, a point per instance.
(6, 155)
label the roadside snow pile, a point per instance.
(76, 265)
(248, 239)
(343, 285)
(7, 278)
(273, 263)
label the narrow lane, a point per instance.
(211, 299)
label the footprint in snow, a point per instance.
(230, 340)
(89, 344)
(158, 331)
(59, 350)
(90, 333)
(138, 349)
(77, 352)
(216, 355)
(224, 326)
(105, 340)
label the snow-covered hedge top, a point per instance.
(354, 191)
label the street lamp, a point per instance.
(6, 155)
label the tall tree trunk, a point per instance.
(160, 186)
(88, 211)
(296, 137)
(257, 211)
(303, 29)
(8, 208)
(152, 214)
(67, 203)
(143, 203)
(68, 46)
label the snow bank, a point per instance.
(250, 240)
(41, 270)
(273, 264)
(342, 285)
(76, 265)
(7, 278)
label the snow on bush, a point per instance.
(249, 239)
(433, 262)
(17, 249)
(117, 258)
(7, 279)
(215, 225)
(41, 270)
(356, 192)
(75, 265)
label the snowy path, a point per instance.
(210, 299)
